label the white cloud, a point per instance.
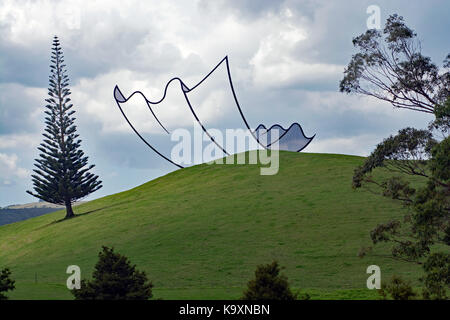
(9, 167)
(12, 141)
(30, 21)
(94, 102)
(277, 62)
(361, 145)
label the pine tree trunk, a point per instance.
(69, 211)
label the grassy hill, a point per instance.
(199, 232)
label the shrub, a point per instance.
(268, 285)
(397, 289)
(114, 278)
(6, 283)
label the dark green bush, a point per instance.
(114, 278)
(268, 284)
(6, 283)
(397, 289)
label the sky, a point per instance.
(286, 60)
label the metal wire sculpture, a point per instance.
(290, 139)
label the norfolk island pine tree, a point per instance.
(62, 171)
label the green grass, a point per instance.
(200, 232)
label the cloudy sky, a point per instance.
(286, 58)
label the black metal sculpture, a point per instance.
(291, 139)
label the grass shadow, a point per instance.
(76, 215)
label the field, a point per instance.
(199, 232)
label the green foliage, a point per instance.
(437, 277)
(408, 152)
(62, 175)
(269, 285)
(114, 278)
(6, 283)
(440, 161)
(397, 289)
(403, 154)
(442, 115)
(413, 82)
(427, 222)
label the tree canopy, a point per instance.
(390, 66)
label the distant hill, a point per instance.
(200, 232)
(39, 204)
(8, 215)
(20, 212)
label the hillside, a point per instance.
(199, 232)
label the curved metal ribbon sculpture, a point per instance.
(291, 139)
